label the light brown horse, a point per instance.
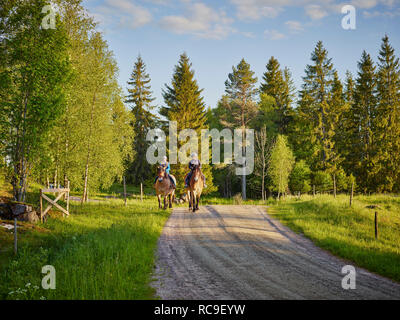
(164, 187)
(195, 188)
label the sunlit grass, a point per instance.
(103, 250)
(347, 231)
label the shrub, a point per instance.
(322, 181)
(299, 179)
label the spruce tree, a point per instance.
(337, 120)
(185, 105)
(316, 130)
(140, 98)
(279, 85)
(239, 101)
(361, 130)
(387, 121)
(345, 140)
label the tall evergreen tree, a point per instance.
(315, 111)
(140, 97)
(337, 120)
(387, 121)
(185, 105)
(345, 140)
(361, 120)
(279, 85)
(349, 88)
(241, 92)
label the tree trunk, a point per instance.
(85, 186)
(22, 166)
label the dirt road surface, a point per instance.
(239, 252)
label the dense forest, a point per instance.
(64, 117)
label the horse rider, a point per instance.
(192, 163)
(165, 164)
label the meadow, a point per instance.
(104, 250)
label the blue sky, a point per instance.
(217, 34)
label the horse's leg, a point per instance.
(170, 200)
(190, 199)
(194, 201)
(159, 201)
(165, 202)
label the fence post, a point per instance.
(376, 225)
(68, 186)
(15, 235)
(351, 194)
(124, 191)
(41, 207)
(334, 185)
(141, 191)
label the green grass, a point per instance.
(347, 231)
(103, 250)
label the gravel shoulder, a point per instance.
(240, 252)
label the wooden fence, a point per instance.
(61, 192)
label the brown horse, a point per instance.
(164, 187)
(195, 188)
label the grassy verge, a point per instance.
(347, 231)
(104, 250)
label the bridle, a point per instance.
(196, 173)
(161, 173)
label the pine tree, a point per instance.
(279, 85)
(387, 121)
(239, 101)
(140, 97)
(185, 105)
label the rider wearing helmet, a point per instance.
(165, 164)
(192, 163)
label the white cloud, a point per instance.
(254, 10)
(388, 14)
(201, 21)
(316, 12)
(294, 26)
(128, 14)
(274, 35)
(315, 9)
(248, 34)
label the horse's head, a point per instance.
(161, 173)
(196, 173)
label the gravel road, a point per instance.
(239, 252)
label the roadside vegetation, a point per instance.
(348, 232)
(104, 250)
